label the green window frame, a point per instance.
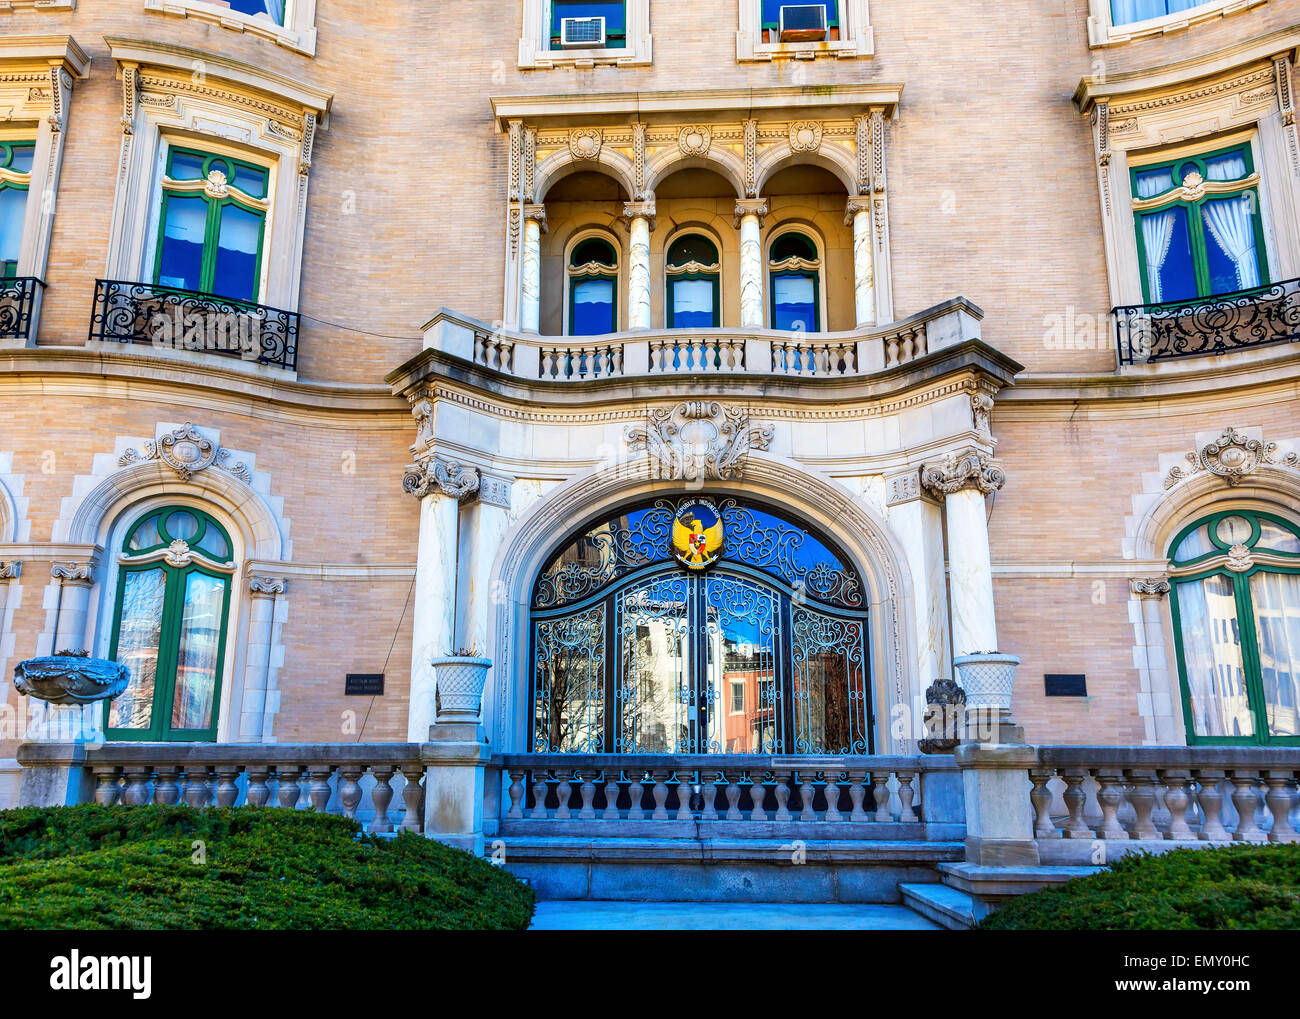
(219, 181)
(692, 257)
(1235, 561)
(593, 257)
(15, 184)
(1184, 193)
(164, 627)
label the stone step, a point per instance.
(946, 906)
(590, 915)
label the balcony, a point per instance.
(670, 352)
(1146, 333)
(17, 307)
(165, 317)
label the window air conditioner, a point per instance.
(582, 31)
(803, 23)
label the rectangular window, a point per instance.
(1125, 12)
(798, 16)
(272, 9)
(1199, 229)
(15, 181)
(211, 225)
(577, 24)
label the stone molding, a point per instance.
(11, 570)
(436, 476)
(266, 586)
(1233, 457)
(639, 210)
(74, 572)
(971, 469)
(698, 440)
(187, 451)
(494, 491)
(750, 207)
(1149, 587)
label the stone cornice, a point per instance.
(1114, 85)
(60, 50)
(679, 103)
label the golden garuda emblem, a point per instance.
(697, 534)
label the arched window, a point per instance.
(1236, 611)
(699, 626)
(692, 271)
(593, 288)
(794, 271)
(169, 626)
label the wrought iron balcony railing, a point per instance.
(166, 317)
(1210, 325)
(17, 303)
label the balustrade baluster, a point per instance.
(166, 786)
(757, 794)
(548, 363)
(412, 798)
(563, 793)
(258, 791)
(227, 790)
(1246, 799)
(1075, 801)
(106, 789)
(1280, 799)
(1041, 798)
(636, 793)
(288, 791)
(905, 796)
(541, 786)
(588, 793)
(516, 793)
(660, 794)
(880, 794)
(857, 793)
(891, 351)
(733, 799)
(782, 791)
(684, 783)
(1177, 799)
(807, 795)
(1211, 800)
(1110, 794)
(381, 795)
(137, 785)
(610, 813)
(198, 788)
(1142, 795)
(832, 791)
(318, 789)
(710, 788)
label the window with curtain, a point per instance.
(692, 271)
(1199, 229)
(1125, 12)
(593, 288)
(1236, 607)
(583, 28)
(794, 283)
(15, 182)
(212, 223)
(169, 626)
(273, 9)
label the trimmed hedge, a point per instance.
(1233, 888)
(120, 868)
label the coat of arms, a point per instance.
(697, 534)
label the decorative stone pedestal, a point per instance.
(988, 679)
(456, 755)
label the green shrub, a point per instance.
(116, 868)
(1233, 888)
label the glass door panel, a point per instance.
(1207, 615)
(1275, 598)
(139, 635)
(199, 654)
(829, 680)
(741, 683)
(569, 706)
(654, 703)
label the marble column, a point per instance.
(485, 522)
(639, 217)
(259, 702)
(749, 219)
(72, 605)
(530, 279)
(857, 213)
(961, 482)
(439, 485)
(918, 523)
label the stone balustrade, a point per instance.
(912, 798)
(360, 781)
(659, 352)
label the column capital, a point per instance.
(265, 586)
(435, 476)
(960, 471)
(494, 491)
(11, 570)
(750, 207)
(639, 210)
(854, 206)
(74, 573)
(537, 214)
(1149, 587)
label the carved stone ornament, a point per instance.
(1150, 587)
(1232, 456)
(187, 451)
(945, 717)
(1239, 559)
(585, 142)
(11, 570)
(698, 440)
(83, 573)
(446, 476)
(259, 584)
(981, 406)
(805, 136)
(960, 471)
(70, 677)
(694, 140)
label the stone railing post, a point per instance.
(999, 813)
(455, 758)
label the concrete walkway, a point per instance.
(593, 915)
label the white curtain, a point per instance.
(1275, 598)
(1154, 182)
(1124, 12)
(1231, 222)
(275, 8)
(1157, 232)
(1229, 167)
(1214, 673)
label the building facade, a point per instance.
(338, 339)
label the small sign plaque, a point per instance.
(364, 684)
(1065, 685)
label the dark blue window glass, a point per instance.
(181, 260)
(593, 307)
(772, 12)
(237, 242)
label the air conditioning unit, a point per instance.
(582, 31)
(803, 23)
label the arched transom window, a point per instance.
(692, 272)
(1236, 610)
(169, 626)
(699, 626)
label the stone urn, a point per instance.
(945, 717)
(460, 679)
(988, 678)
(71, 684)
